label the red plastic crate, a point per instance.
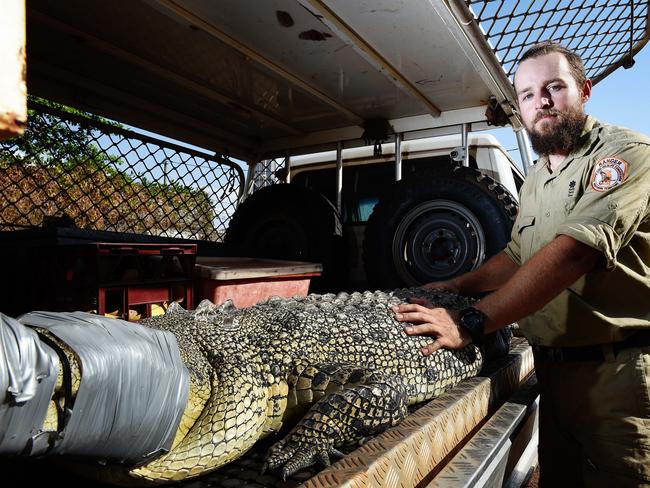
(144, 274)
(247, 281)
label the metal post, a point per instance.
(398, 157)
(249, 180)
(287, 167)
(339, 176)
(465, 143)
(524, 149)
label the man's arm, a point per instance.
(548, 272)
(490, 276)
(551, 270)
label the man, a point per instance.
(576, 275)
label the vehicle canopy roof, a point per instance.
(430, 146)
(256, 79)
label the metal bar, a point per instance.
(287, 167)
(524, 149)
(339, 176)
(398, 156)
(465, 143)
(344, 31)
(249, 180)
(255, 55)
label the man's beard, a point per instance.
(561, 137)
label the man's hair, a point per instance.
(547, 47)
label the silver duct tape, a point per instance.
(133, 390)
(28, 372)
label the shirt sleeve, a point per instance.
(610, 211)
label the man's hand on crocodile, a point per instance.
(438, 322)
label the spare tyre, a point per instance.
(291, 223)
(435, 226)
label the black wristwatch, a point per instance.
(473, 321)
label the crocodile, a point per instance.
(328, 370)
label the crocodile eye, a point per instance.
(230, 322)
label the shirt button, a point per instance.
(548, 214)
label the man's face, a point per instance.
(551, 103)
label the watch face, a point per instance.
(472, 319)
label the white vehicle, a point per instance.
(438, 221)
(309, 84)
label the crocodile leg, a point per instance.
(370, 403)
(309, 383)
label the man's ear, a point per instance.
(586, 90)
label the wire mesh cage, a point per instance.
(606, 34)
(76, 169)
(268, 172)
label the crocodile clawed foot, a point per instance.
(304, 457)
(292, 458)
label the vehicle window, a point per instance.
(363, 185)
(518, 180)
(366, 206)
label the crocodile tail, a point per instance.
(231, 421)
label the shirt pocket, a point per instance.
(526, 231)
(569, 203)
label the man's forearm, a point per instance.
(493, 274)
(553, 268)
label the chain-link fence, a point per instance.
(76, 169)
(606, 34)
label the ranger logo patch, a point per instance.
(609, 173)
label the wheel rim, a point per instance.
(437, 240)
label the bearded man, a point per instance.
(576, 276)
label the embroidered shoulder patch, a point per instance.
(609, 173)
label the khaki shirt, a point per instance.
(598, 196)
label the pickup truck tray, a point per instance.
(410, 454)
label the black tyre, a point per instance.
(436, 226)
(291, 223)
